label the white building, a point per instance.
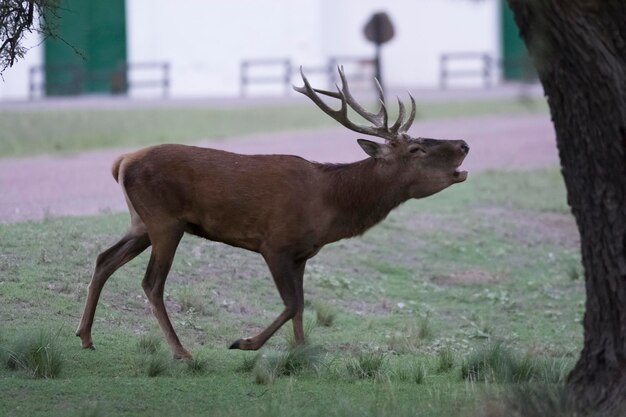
(205, 41)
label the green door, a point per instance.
(515, 60)
(88, 55)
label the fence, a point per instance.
(475, 65)
(72, 79)
(279, 71)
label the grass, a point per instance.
(296, 360)
(446, 359)
(197, 365)
(477, 276)
(308, 325)
(191, 302)
(30, 132)
(37, 354)
(494, 362)
(411, 337)
(540, 400)
(156, 365)
(149, 343)
(367, 365)
(324, 315)
(414, 371)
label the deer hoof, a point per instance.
(243, 344)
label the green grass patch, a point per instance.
(411, 371)
(446, 360)
(36, 354)
(540, 400)
(197, 365)
(149, 343)
(29, 132)
(368, 365)
(295, 361)
(423, 298)
(156, 365)
(193, 303)
(412, 336)
(494, 362)
(324, 314)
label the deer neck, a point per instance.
(361, 194)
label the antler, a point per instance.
(380, 120)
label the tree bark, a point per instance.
(579, 50)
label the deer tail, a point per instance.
(115, 169)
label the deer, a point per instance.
(283, 207)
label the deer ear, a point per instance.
(373, 149)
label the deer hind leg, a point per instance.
(109, 261)
(298, 330)
(164, 244)
(287, 275)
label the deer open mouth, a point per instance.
(459, 176)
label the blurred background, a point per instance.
(124, 74)
(197, 48)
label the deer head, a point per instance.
(425, 165)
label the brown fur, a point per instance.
(283, 207)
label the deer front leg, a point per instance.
(287, 275)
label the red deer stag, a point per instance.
(284, 207)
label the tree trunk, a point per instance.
(579, 50)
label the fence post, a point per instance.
(166, 80)
(443, 61)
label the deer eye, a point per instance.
(417, 149)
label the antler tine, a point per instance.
(383, 108)
(405, 127)
(307, 90)
(376, 119)
(396, 126)
(329, 93)
(369, 116)
(379, 88)
(381, 97)
(380, 120)
(340, 115)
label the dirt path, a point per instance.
(36, 187)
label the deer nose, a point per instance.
(465, 148)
